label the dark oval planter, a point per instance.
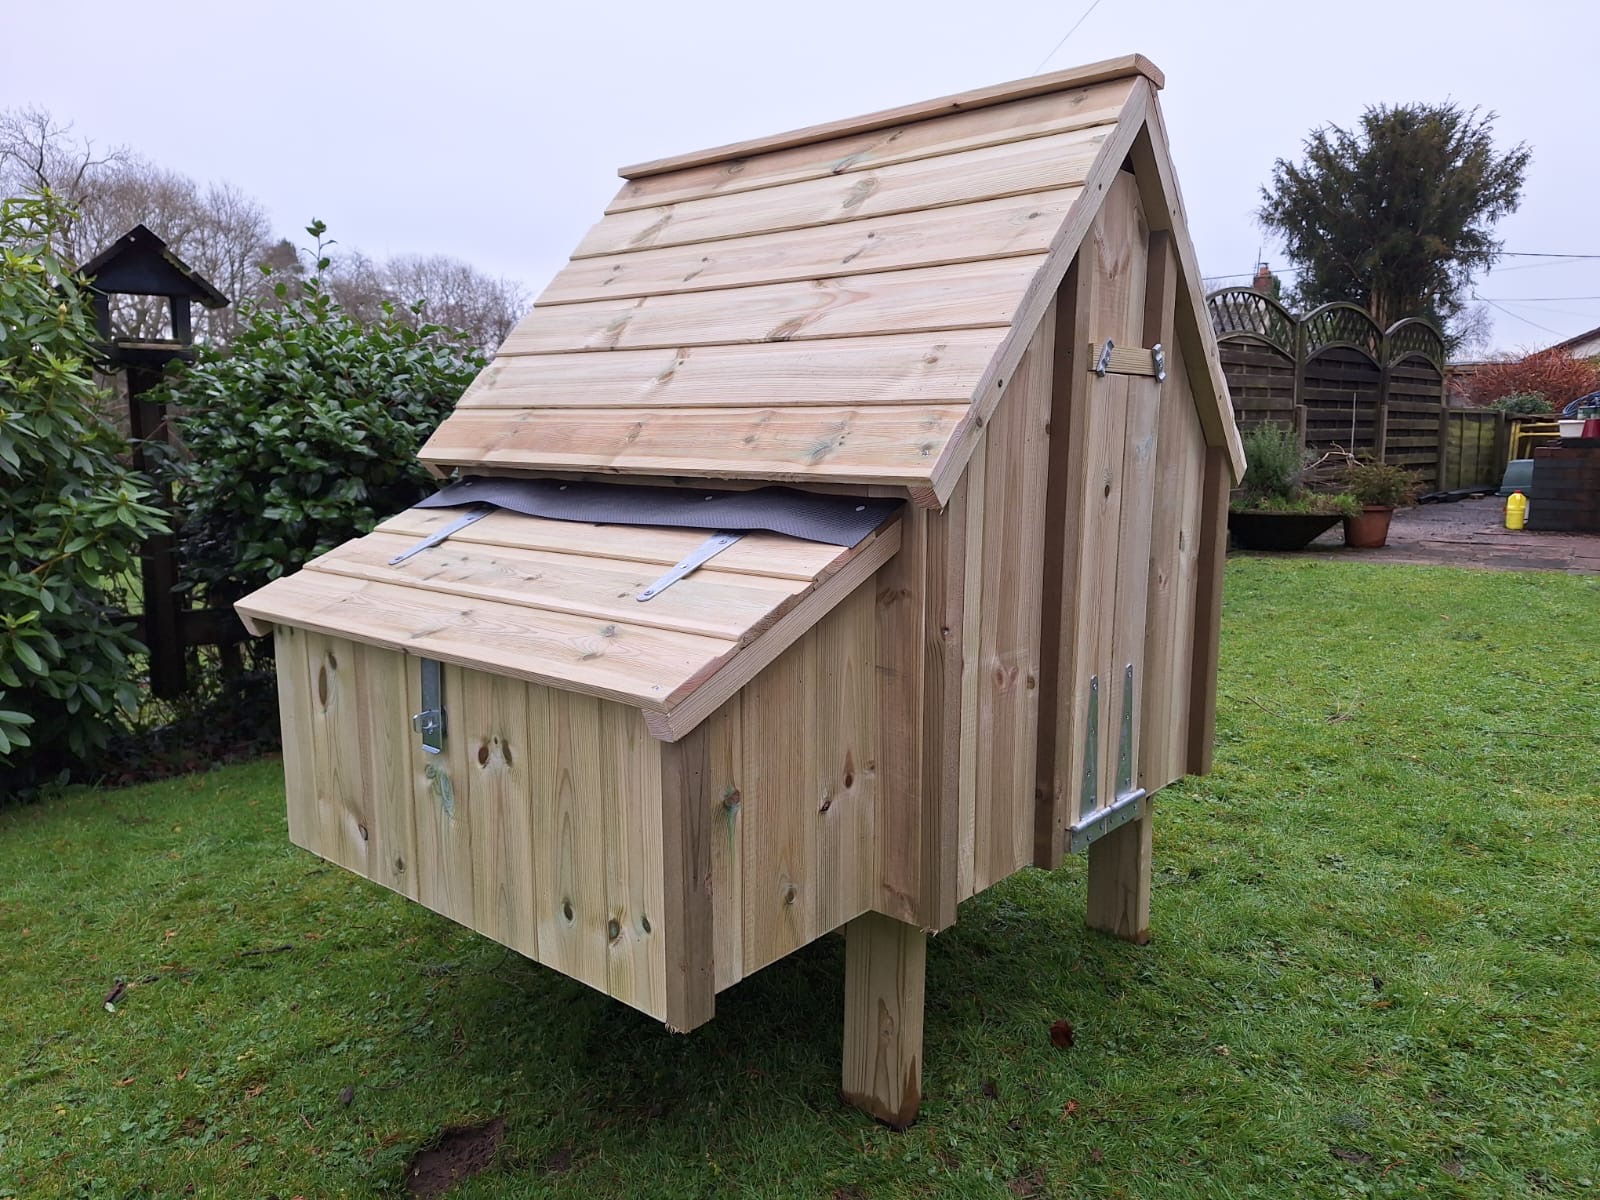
(1277, 530)
(1369, 531)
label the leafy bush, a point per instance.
(1554, 375)
(72, 515)
(1522, 403)
(305, 432)
(1274, 460)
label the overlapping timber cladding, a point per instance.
(973, 323)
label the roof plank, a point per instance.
(1003, 228)
(1014, 168)
(984, 97)
(719, 605)
(926, 299)
(925, 368)
(881, 444)
(1057, 112)
(755, 554)
(631, 664)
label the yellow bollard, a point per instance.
(1516, 510)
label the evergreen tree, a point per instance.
(1398, 214)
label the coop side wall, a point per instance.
(554, 823)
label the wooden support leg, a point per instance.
(1119, 881)
(884, 970)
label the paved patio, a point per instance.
(1472, 533)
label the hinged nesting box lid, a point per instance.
(842, 304)
(556, 602)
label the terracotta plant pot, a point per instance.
(1370, 530)
(1278, 530)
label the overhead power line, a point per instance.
(1065, 36)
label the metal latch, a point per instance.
(476, 513)
(430, 722)
(1160, 356)
(1129, 804)
(1103, 363)
(699, 556)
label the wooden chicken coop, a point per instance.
(841, 533)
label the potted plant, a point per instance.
(1378, 487)
(1274, 510)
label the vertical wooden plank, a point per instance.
(1066, 500)
(689, 785)
(846, 766)
(443, 800)
(1009, 625)
(491, 720)
(1174, 553)
(630, 761)
(564, 731)
(1119, 863)
(295, 699)
(1208, 609)
(975, 486)
(780, 805)
(342, 816)
(901, 797)
(884, 977)
(1109, 304)
(723, 798)
(386, 735)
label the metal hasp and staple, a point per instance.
(1160, 357)
(430, 722)
(1094, 822)
(1103, 363)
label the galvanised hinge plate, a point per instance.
(430, 722)
(1093, 822)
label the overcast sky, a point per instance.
(492, 131)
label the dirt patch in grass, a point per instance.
(460, 1153)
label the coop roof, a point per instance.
(842, 304)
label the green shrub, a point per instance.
(1522, 404)
(1274, 460)
(72, 516)
(1380, 483)
(304, 433)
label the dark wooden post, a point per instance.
(158, 560)
(1444, 447)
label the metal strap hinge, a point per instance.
(1160, 355)
(698, 557)
(476, 513)
(430, 722)
(1094, 822)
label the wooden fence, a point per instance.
(1342, 382)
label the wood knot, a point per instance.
(613, 929)
(731, 799)
(790, 894)
(362, 830)
(566, 909)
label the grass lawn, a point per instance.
(1376, 972)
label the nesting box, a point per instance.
(965, 341)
